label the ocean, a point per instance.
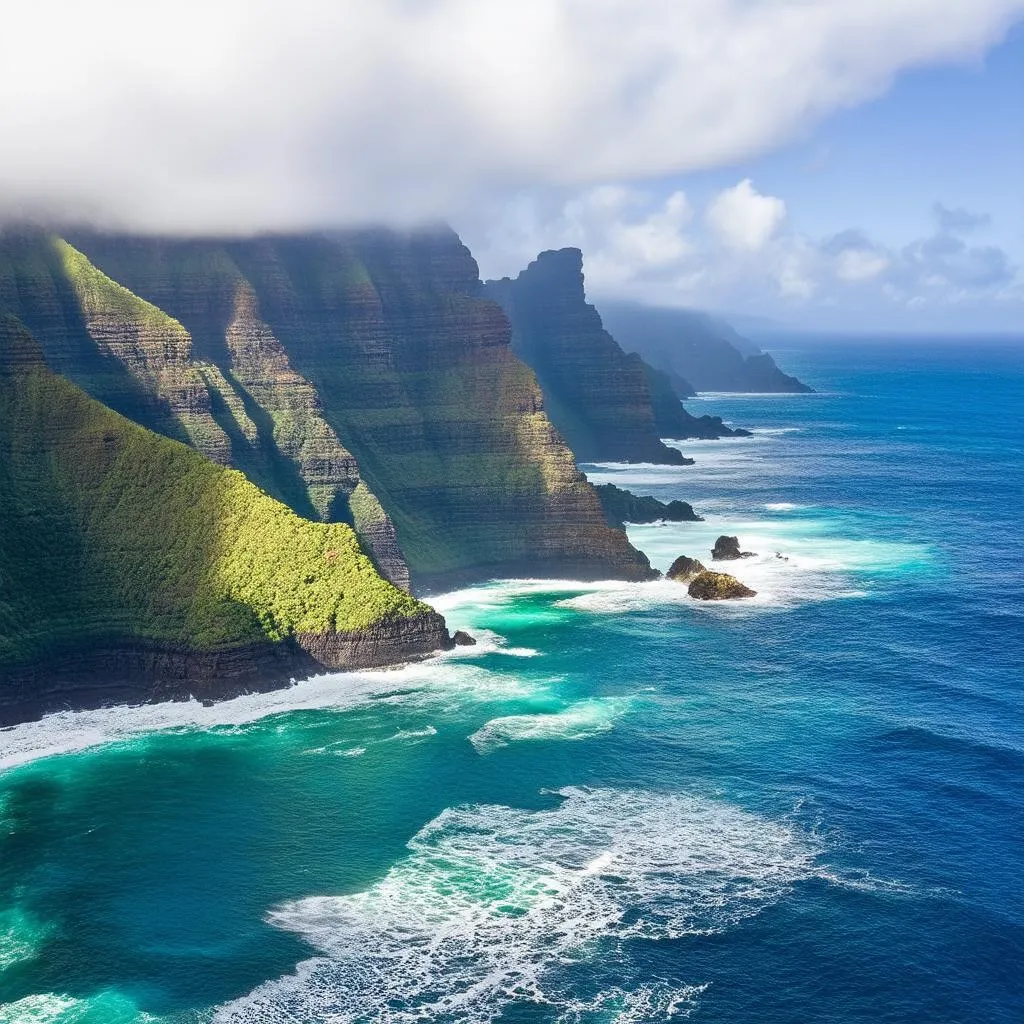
(622, 805)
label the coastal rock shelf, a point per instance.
(621, 507)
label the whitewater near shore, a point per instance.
(622, 804)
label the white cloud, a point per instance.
(743, 218)
(238, 114)
(860, 264)
(639, 246)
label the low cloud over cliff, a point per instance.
(231, 115)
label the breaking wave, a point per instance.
(579, 721)
(421, 684)
(495, 906)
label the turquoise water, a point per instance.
(623, 805)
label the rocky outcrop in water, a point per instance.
(718, 586)
(599, 397)
(684, 569)
(697, 351)
(359, 377)
(727, 549)
(621, 507)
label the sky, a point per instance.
(835, 164)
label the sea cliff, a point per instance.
(609, 404)
(697, 351)
(134, 568)
(360, 377)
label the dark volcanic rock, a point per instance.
(727, 549)
(621, 507)
(460, 638)
(684, 569)
(135, 672)
(718, 586)
(135, 569)
(605, 402)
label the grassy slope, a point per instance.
(271, 415)
(410, 369)
(113, 532)
(417, 378)
(154, 348)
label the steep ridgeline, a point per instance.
(697, 351)
(383, 342)
(239, 402)
(609, 405)
(134, 568)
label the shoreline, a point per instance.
(135, 674)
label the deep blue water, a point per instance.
(624, 805)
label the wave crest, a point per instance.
(493, 904)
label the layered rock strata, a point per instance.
(598, 396)
(133, 568)
(372, 353)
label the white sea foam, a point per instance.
(497, 905)
(782, 506)
(42, 1008)
(717, 396)
(57, 1008)
(622, 598)
(21, 936)
(487, 640)
(412, 734)
(718, 461)
(799, 559)
(579, 721)
(425, 683)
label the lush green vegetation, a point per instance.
(376, 344)
(102, 298)
(113, 532)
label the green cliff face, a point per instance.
(610, 405)
(234, 397)
(116, 537)
(122, 350)
(381, 344)
(598, 396)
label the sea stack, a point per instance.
(718, 586)
(727, 549)
(684, 569)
